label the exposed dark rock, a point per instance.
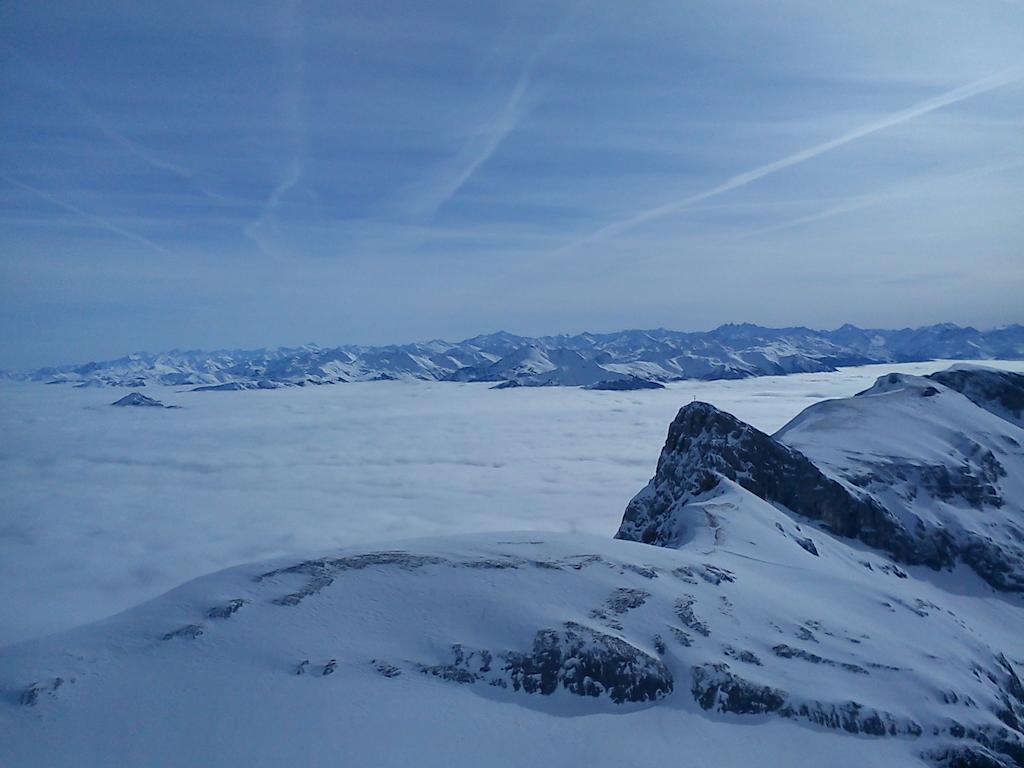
(451, 672)
(190, 632)
(967, 757)
(625, 599)
(705, 444)
(30, 695)
(807, 544)
(578, 659)
(588, 663)
(640, 570)
(321, 572)
(621, 601)
(625, 385)
(683, 638)
(716, 688)
(137, 399)
(388, 670)
(747, 657)
(789, 652)
(852, 718)
(999, 392)
(231, 386)
(712, 574)
(229, 609)
(684, 610)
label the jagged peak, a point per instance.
(706, 445)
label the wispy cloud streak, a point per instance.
(110, 131)
(491, 135)
(976, 88)
(293, 119)
(90, 217)
(866, 201)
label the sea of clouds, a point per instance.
(102, 508)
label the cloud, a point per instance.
(858, 202)
(976, 88)
(486, 138)
(90, 217)
(291, 35)
(112, 132)
(104, 508)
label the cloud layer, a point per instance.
(101, 507)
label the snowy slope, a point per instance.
(752, 636)
(532, 366)
(949, 470)
(522, 649)
(1001, 392)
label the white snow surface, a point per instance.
(102, 508)
(165, 684)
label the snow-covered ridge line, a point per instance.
(622, 359)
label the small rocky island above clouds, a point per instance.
(139, 400)
(847, 590)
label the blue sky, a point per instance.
(239, 175)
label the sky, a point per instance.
(213, 175)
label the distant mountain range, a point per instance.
(618, 360)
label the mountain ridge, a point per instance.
(731, 351)
(910, 466)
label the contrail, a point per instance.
(96, 220)
(976, 88)
(291, 41)
(477, 152)
(104, 126)
(864, 201)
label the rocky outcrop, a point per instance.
(137, 399)
(588, 663)
(705, 445)
(999, 392)
(625, 385)
(575, 658)
(908, 467)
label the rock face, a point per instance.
(1000, 392)
(910, 466)
(625, 385)
(705, 444)
(948, 466)
(141, 400)
(574, 658)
